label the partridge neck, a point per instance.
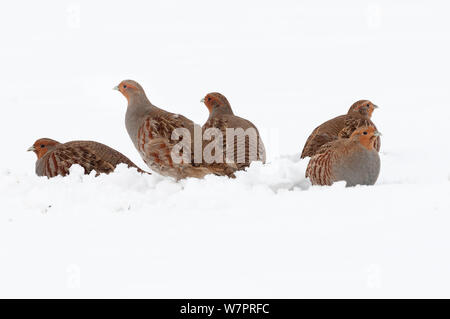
(358, 115)
(220, 110)
(138, 99)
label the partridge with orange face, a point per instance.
(246, 146)
(343, 126)
(354, 160)
(157, 135)
(54, 158)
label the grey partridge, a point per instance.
(154, 134)
(54, 158)
(246, 146)
(343, 126)
(354, 160)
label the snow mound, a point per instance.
(267, 233)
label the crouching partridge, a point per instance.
(343, 126)
(54, 158)
(354, 160)
(247, 145)
(152, 131)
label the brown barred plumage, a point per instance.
(352, 159)
(151, 128)
(155, 145)
(222, 117)
(343, 126)
(55, 158)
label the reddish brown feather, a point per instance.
(156, 145)
(224, 122)
(88, 154)
(334, 156)
(340, 126)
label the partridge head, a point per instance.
(42, 146)
(217, 104)
(366, 136)
(133, 91)
(363, 108)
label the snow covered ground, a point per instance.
(288, 67)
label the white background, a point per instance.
(285, 65)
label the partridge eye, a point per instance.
(367, 105)
(124, 86)
(365, 133)
(42, 146)
(209, 99)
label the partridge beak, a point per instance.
(202, 100)
(116, 88)
(376, 133)
(31, 149)
(375, 106)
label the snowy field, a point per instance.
(286, 65)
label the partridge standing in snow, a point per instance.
(244, 149)
(358, 115)
(150, 128)
(354, 160)
(55, 158)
